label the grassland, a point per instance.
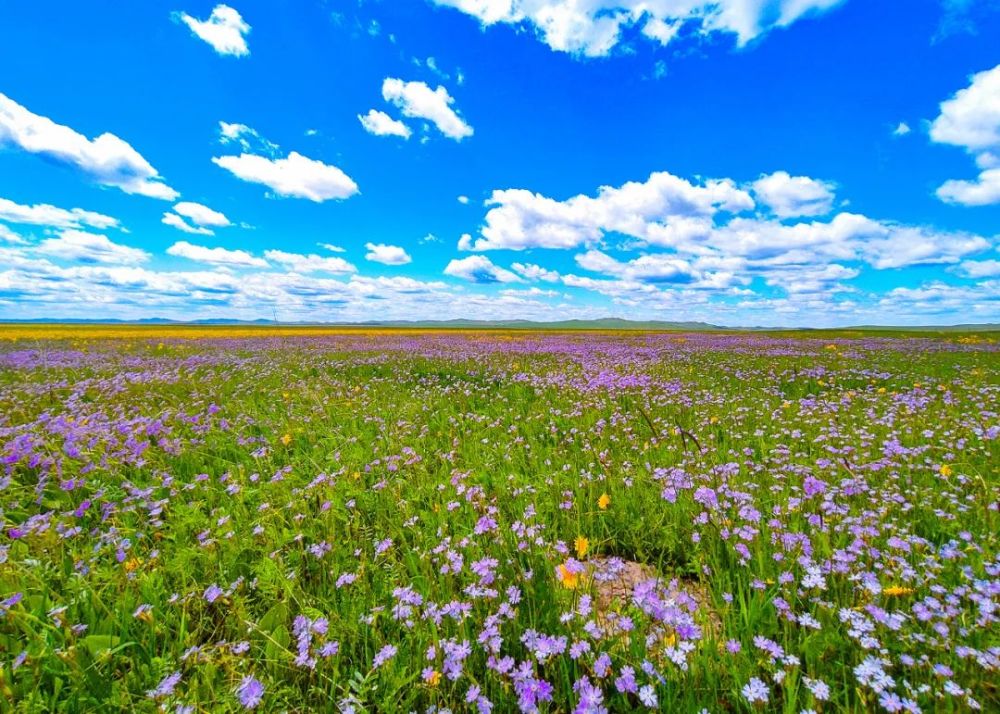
(214, 519)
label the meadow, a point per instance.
(307, 520)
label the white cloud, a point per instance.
(479, 269)
(593, 28)
(225, 30)
(246, 138)
(43, 214)
(332, 248)
(386, 254)
(90, 248)
(464, 200)
(381, 124)
(790, 196)
(297, 176)
(9, 236)
(535, 272)
(982, 192)
(418, 101)
(520, 219)
(971, 120)
(311, 263)
(201, 218)
(108, 160)
(201, 215)
(979, 268)
(172, 219)
(847, 237)
(657, 268)
(902, 129)
(37, 287)
(216, 256)
(706, 220)
(962, 303)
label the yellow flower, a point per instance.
(568, 578)
(713, 420)
(132, 564)
(581, 544)
(604, 501)
(881, 390)
(434, 678)
(896, 590)
(945, 470)
(286, 439)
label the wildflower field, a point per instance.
(217, 520)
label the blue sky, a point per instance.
(792, 162)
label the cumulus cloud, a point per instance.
(310, 263)
(201, 215)
(43, 214)
(418, 101)
(519, 219)
(979, 268)
(296, 175)
(225, 30)
(107, 159)
(983, 191)
(479, 269)
(791, 196)
(216, 256)
(968, 303)
(594, 28)
(386, 254)
(172, 219)
(658, 268)
(971, 120)
(535, 272)
(86, 247)
(9, 236)
(902, 129)
(708, 220)
(332, 248)
(381, 124)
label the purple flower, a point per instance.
(213, 592)
(755, 691)
(250, 692)
(384, 655)
(647, 695)
(166, 686)
(626, 682)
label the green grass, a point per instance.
(526, 438)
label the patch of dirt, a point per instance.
(615, 582)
